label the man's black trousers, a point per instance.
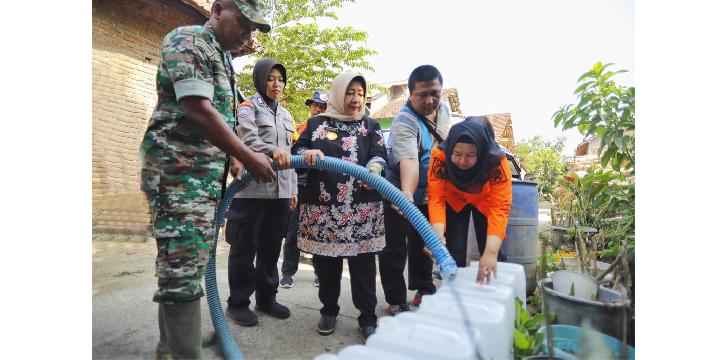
(403, 243)
(291, 253)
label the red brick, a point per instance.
(124, 34)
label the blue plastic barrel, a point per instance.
(521, 241)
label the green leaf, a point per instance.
(520, 340)
(619, 140)
(568, 125)
(582, 128)
(534, 324)
(616, 162)
(538, 339)
(583, 87)
(585, 75)
(524, 318)
(605, 158)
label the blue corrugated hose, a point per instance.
(447, 265)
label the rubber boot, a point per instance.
(209, 339)
(162, 351)
(183, 329)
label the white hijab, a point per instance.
(336, 100)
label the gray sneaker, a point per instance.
(287, 281)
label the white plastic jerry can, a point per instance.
(486, 315)
(361, 352)
(509, 268)
(421, 341)
(326, 356)
(473, 336)
(517, 284)
(501, 293)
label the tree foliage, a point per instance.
(604, 199)
(312, 56)
(605, 110)
(543, 158)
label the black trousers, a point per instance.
(456, 232)
(362, 285)
(291, 253)
(403, 243)
(255, 227)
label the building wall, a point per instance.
(126, 38)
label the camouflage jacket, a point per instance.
(176, 158)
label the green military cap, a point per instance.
(252, 10)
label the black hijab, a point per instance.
(260, 73)
(476, 130)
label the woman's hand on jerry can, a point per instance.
(487, 268)
(488, 260)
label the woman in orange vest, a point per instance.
(477, 180)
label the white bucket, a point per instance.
(584, 286)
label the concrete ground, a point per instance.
(125, 318)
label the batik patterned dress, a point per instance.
(339, 217)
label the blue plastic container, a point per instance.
(566, 338)
(521, 242)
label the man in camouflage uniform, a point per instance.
(183, 161)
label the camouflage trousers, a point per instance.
(183, 229)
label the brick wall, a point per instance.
(126, 39)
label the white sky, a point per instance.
(517, 56)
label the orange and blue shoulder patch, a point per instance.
(244, 109)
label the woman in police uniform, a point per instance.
(256, 223)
